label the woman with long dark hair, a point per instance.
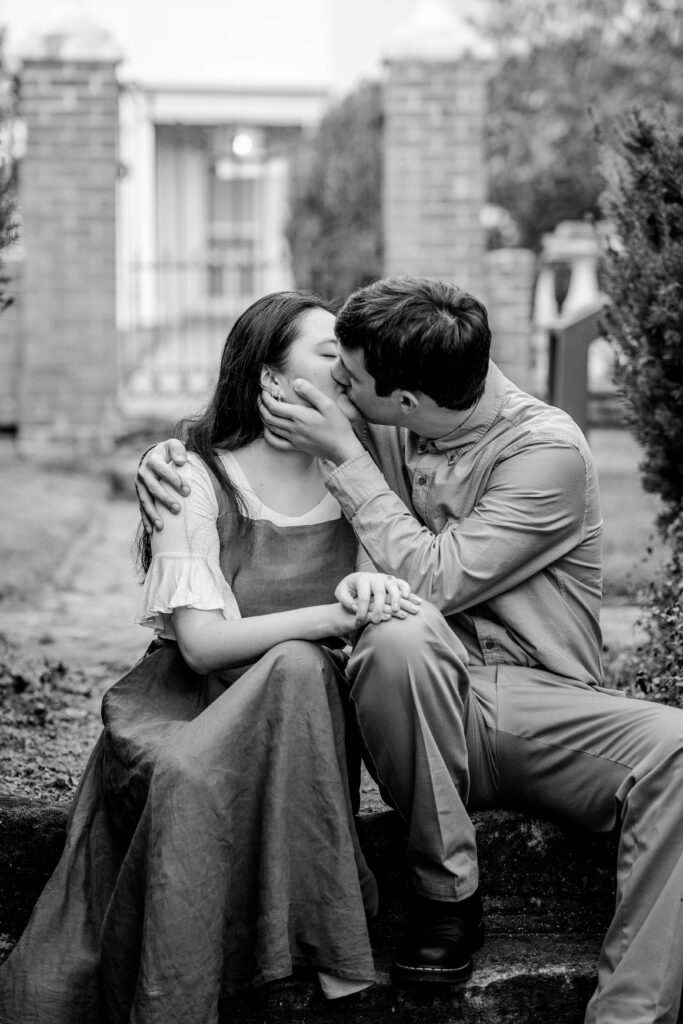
(211, 845)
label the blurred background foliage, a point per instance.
(563, 77)
(644, 280)
(8, 226)
(565, 70)
(335, 229)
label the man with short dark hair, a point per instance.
(486, 500)
(412, 332)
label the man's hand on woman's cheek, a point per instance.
(349, 410)
(319, 427)
(281, 443)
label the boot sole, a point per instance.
(439, 975)
(432, 975)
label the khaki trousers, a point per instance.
(442, 738)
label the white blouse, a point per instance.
(185, 569)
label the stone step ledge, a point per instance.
(534, 876)
(544, 979)
(548, 896)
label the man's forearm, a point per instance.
(464, 564)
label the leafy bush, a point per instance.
(334, 230)
(655, 668)
(644, 280)
(8, 226)
(564, 68)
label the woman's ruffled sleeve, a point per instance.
(183, 580)
(185, 569)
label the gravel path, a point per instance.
(59, 656)
(87, 617)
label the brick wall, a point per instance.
(509, 290)
(434, 185)
(67, 190)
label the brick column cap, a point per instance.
(76, 37)
(434, 32)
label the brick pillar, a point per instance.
(68, 377)
(435, 104)
(509, 290)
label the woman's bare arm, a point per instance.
(209, 643)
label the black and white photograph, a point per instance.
(341, 517)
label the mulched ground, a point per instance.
(49, 721)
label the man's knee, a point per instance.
(668, 745)
(657, 757)
(403, 661)
(399, 642)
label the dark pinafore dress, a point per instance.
(211, 845)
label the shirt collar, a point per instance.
(480, 419)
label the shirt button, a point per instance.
(489, 643)
(422, 480)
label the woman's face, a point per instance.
(312, 355)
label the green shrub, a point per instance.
(655, 668)
(644, 280)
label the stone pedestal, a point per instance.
(68, 372)
(509, 288)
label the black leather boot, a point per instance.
(440, 940)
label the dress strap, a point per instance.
(219, 490)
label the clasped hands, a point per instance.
(367, 597)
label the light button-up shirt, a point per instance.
(498, 524)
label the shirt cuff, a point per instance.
(355, 481)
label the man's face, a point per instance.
(359, 387)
